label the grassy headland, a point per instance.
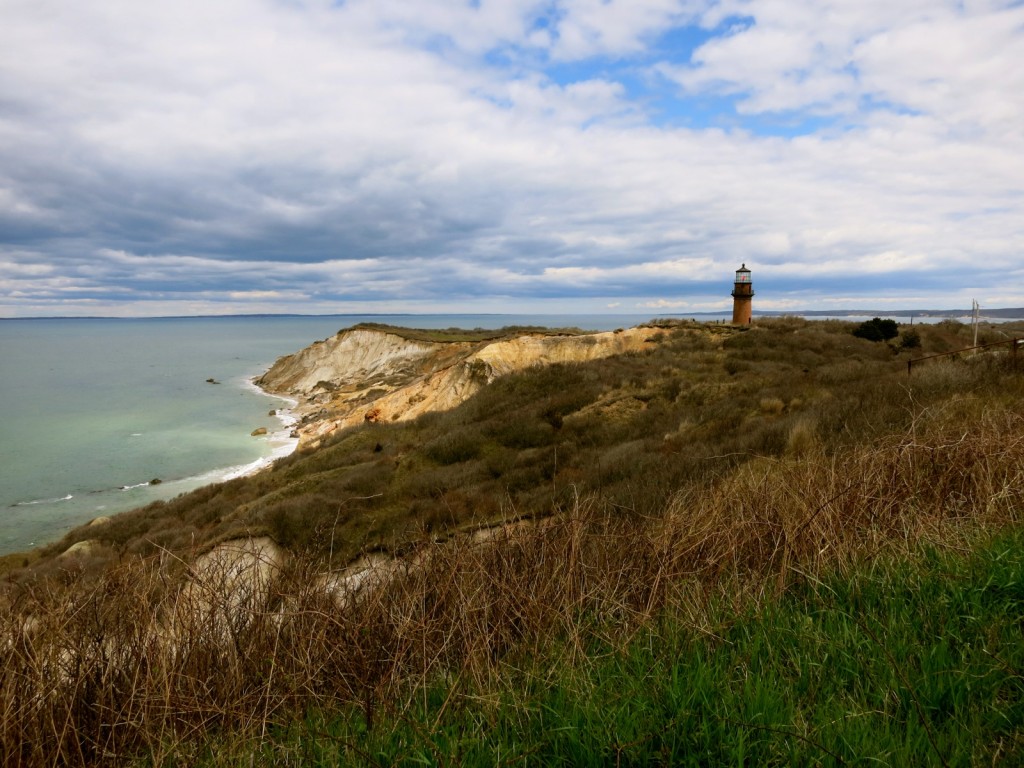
(751, 545)
(463, 334)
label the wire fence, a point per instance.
(1014, 345)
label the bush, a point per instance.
(911, 339)
(522, 432)
(877, 329)
(455, 447)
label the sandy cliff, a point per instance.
(375, 375)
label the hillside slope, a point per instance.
(697, 402)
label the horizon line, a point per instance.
(851, 312)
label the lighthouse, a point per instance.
(742, 297)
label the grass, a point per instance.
(756, 547)
(153, 660)
(915, 662)
(463, 335)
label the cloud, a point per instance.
(955, 61)
(664, 304)
(405, 154)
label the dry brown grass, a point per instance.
(156, 656)
(777, 519)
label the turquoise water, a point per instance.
(93, 409)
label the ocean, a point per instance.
(93, 410)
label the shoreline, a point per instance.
(285, 443)
(279, 440)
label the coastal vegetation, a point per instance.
(463, 334)
(877, 329)
(767, 545)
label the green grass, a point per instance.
(906, 663)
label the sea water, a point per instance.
(93, 410)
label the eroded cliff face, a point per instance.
(373, 375)
(354, 359)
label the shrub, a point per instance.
(877, 329)
(733, 366)
(523, 433)
(455, 447)
(911, 339)
(803, 439)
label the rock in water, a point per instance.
(212, 381)
(258, 431)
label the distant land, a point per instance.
(1004, 313)
(984, 312)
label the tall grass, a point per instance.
(158, 656)
(911, 663)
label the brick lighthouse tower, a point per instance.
(742, 297)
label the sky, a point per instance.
(364, 156)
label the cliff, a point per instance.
(377, 375)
